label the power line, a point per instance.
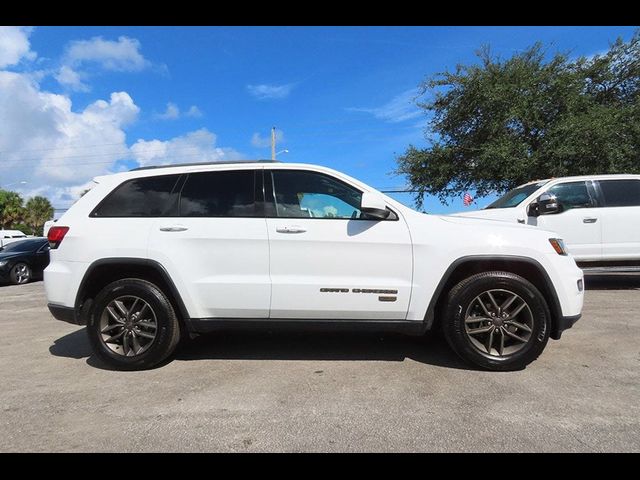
(125, 154)
(57, 148)
(399, 191)
(78, 147)
(35, 161)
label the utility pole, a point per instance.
(273, 143)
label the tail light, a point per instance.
(56, 235)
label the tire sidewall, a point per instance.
(460, 341)
(165, 340)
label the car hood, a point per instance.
(489, 222)
(497, 226)
(503, 214)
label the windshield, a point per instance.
(516, 196)
(23, 246)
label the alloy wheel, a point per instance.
(499, 323)
(21, 273)
(128, 326)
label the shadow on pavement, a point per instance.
(73, 345)
(321, 346)
(430, 349)
(620, 281)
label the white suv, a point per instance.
(153, 254)
(598, 216)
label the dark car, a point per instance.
(22, 261)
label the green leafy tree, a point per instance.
(498, 123)
(11, 209)
(37, 211)
(23, 227)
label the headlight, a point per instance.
(3, 262)
(558, 245)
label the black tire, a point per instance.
(463, 297)
(20, 274)
(167, 333)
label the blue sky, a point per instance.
(78, 102)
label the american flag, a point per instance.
(467, 199)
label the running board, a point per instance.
(204, 325)
(612, 269)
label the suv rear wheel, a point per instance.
(497, 320)
(133, 325)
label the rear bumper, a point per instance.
(562, 324)
(65, 314)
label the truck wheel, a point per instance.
(497, 321)
(133, 325)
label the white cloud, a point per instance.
(14, 45)
(269, 92)
(45, 142)
(400, 108)
(68, 77)
(56, 148)
(197, 146)
(122, 55)
(259, 141)
(193, 112)
(173, 112)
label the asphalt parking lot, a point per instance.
(322, 392)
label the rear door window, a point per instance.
(620, 193)
(220, 194)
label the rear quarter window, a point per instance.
(141, 197)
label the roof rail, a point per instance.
(195, 164)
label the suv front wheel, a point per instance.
(133, 325)
(497, 320)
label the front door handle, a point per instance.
(589, 220)
(290, 229)
(173, 229)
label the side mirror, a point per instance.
(374, 206)
(545, 204)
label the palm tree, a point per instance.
(37, 211)
(11, 209)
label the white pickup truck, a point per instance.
(153, 254)
(598, 216)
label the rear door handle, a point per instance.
(290, 229)
(173, 229)
(589, 220)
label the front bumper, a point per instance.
(65, 314)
